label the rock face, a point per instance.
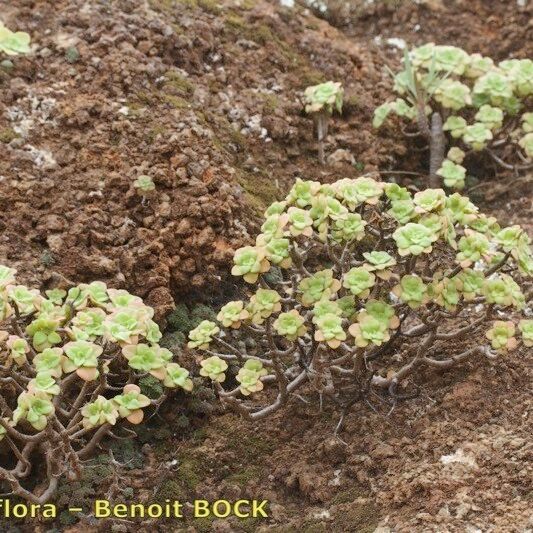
(202, 99)
(202, 96)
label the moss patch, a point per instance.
(190, 471)
(244, 476)
(362, 518)
(177, 84)
(171, 489)
(248, 447)
(260, 190)
(211, 6)
(234, 22)
(177, 102)
(311, 76)
(270, 103)
(7, 135)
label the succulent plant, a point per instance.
(202, 335)
(326, 307)
(50, 361)
(131, 402)
(324, 97)
(329, 330)
(453, 174)
(414, 239)
(502, 336)
(468, 100)
(101, 411)
(412, 291)
(249, 377)
(69, 352)
(300, 222)
(381, 311)
(320, 102)
(379, 262)
(232, 314)
(473, 246)
(214, 368)
(477, 135)
(144, 184)
(249, 262)
(526, 328)
(384, 284)
(35, 407)
(263, 304)
(45, 383)
(290, 325)
(359, 281)
(177, 376)
(13, 43)
(472, 283)
(18, 347)
(319, 286)
(369, 330)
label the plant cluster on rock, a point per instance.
(466, 101)
(13, 43)
(320, 102)
(70, 364)
(363, 271)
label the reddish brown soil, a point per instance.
(205, 100)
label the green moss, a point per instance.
(311, 76)
(148, 99)
(151, 387)
(175, 101)
(244, 476)
(348, 496)
(251, 524)
(202, 312)
(235, 22)
(362, 518)
(173, 341)
(67, 518)
(351, 103)
(177, 84)
(227, 134)
(7, 135)
(171, 489)
(203, 525)
(199, 435)
(190, 471)
(82, 492)
(270, 103)
(47, 259)
(179, 319)
(317, 528)
(262, 34)
(152, 134)
(163, 5)
(260, 190)
(248, 447)
(237, 138)
(157, 435)
(246, 5)
(211, 6)
(128, 452)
